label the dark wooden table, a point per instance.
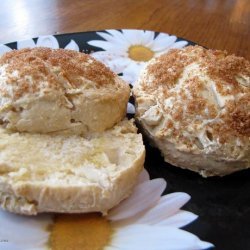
(220, 24)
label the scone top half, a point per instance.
(194, 104)
(46, 90)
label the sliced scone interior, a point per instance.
(66, 173)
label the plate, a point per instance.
(223, 204)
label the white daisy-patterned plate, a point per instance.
(153, 217)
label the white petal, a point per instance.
(204, 245)
(116, 62)
(111, 47)
(19, 229)
(114, 39)
(72, 45)
(162, 36)
(132, 36)
(158, 37)
(132, 72)
(179, 45)
(4, 49)
(47, 41)
(157, 238)
(104, 56)
(144, 176)
(144, 196)
(130, 108)
(119, 64)
(11, 246)
(163, 42)
(167, 206)
(29, 43)
(130, 78)
(148, 37)
(117, 34)
(180, 219)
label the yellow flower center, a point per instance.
(85, 232)
(140, 53)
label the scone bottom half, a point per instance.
(194, 105)
(46, 90)
(68, 173)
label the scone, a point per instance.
(194, 104)
(52, 90)
(68, 173)
(65, 144)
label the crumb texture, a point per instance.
(68, 173)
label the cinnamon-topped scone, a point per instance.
(53, 90)
(194, 104)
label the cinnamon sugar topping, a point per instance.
(31, 70)
(200, 91)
